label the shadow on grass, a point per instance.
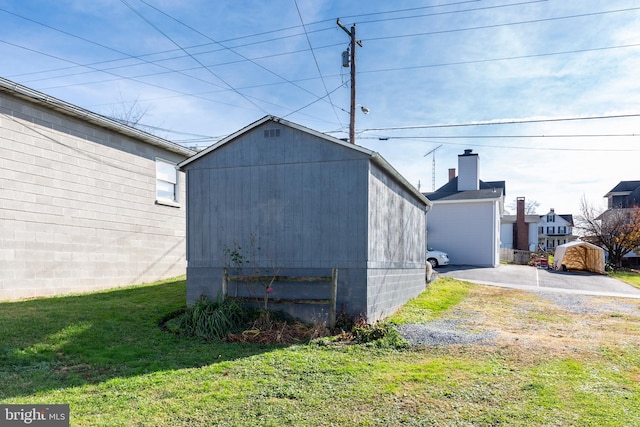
(61, 342)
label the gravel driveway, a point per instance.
(572, 292)
(444, 332)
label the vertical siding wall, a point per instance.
(465, 232)
(77, 207)
(305, 201)
(397, 244)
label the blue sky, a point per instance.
(202, 70)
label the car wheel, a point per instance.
(433, 262)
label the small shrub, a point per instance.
(368, 333)
(211, 319)
(380, 334)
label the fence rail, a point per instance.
(331, 301)
(515, 256)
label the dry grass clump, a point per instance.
(265, 330)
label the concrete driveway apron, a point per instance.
(529, 278)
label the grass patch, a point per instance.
(105, 355)
(630, 277)
(441, 295)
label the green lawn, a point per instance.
(104, 354)
(628, 277)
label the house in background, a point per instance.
(86, 202)
(464, 220)
(519, 231)
(533, 232)
(307, 203)
(625, 195)
(554, 230)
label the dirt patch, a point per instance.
(531, 325)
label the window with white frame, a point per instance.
(166, 181)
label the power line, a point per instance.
(616, 135)
(484, 27)
(315, 60)
(530, 148)
(453, 12)
(221, 43)
(503, 122)
(371, 39)
(318, 98)
(313, 102)
(508, 58)
(125, 54)
(311, 48)
(191, 56)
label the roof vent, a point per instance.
(272, 133)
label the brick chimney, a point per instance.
(521, 231)
(469, 171)
(452, 173)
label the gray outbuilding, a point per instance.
(296, 202)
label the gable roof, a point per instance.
(31, 95)
(535, 218)
(449, 192)
(374, 156)
(567, 217)
(624, 187)
(529, 219)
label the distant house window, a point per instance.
(551, 218)
(166, 181)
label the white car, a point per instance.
(437, 258)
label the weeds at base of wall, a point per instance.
(358, 331)
(208, 319)
(226, 320)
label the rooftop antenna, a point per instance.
(433, 167)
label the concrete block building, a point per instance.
(86, 202)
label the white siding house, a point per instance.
(554, 230)
(464, 220)
(86, 202)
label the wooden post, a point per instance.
(224, 283)
(334, 297)
(352, 109)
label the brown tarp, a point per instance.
(579, 256)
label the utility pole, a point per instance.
(352, 110)
(433, 167)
